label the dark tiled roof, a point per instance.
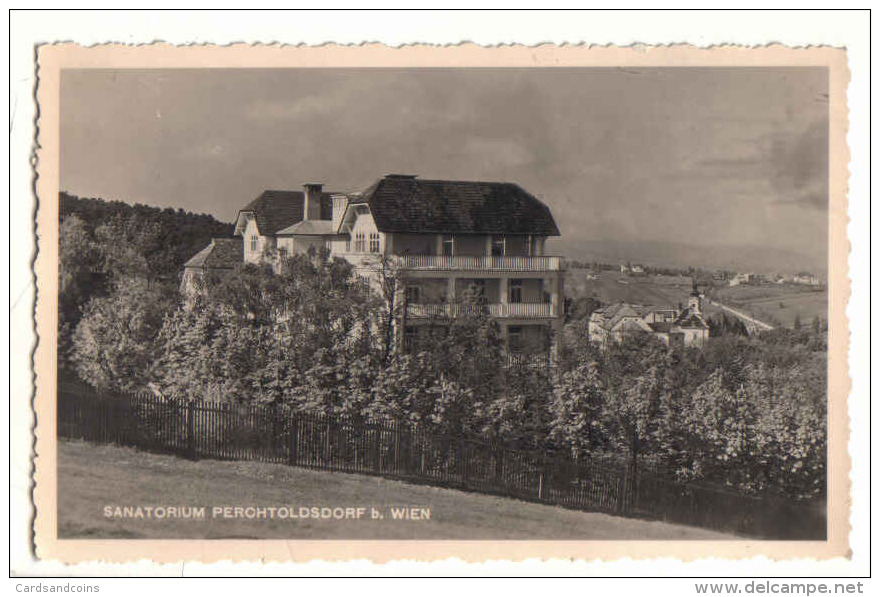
(691, 320)
(222, 253)
(275, 210)
(408, 204)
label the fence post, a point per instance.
(190, 430)
(275, 447)
(377, 445)
(541, 483)
(395, 430)
(621, 490)
(462, 456)
(294, 439)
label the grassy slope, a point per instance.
(777, 302)
(612, 287)
(762, 302)
(90, 477)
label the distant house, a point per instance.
(805, 278)
(637, 270)
(673, 327)
(220, 257)
(286, 222)
(748, 278)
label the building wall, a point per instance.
(471, 244)
(302, 244)
(492, 286)
(263, 242)
(532, 290)
(432, 291)
(695, 337)
(364, 224)
(413, 244)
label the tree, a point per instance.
(576, 408)
(79, 278)
(292, 336)
(114, 345)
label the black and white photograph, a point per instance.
(446, 303)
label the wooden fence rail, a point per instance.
(403, 451)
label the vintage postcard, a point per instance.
(348, 302)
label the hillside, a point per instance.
(780, 304)
(91, 477)
(172, 235)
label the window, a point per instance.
(533, 245)
(498, 244)
(282, 253)
(542, 289)
(515, 294)
(413, 294)
(255, 243)
(448, 248)
(410, 338)
(374, 242)
(359, 242)
(514, 339)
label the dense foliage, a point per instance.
(746, 412)
(110, 253)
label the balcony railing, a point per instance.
(499, 310)
(538, 263)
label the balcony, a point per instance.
(475, 263)
(496, 310)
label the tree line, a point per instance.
(110, 249)
(745, 412)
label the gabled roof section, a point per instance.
(276, 210)
(222, 253)
(403, 203)
(691, 320)
(309, 228)
(661, 327)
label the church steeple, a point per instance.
(695, 301)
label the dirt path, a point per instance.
(741, 315)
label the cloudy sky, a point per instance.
(728, 159)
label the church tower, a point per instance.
(695, 301)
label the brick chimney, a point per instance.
(312, 201)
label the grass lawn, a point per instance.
(91, 477)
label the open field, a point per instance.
(612, 287)
(777, 304)
(91, 477)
